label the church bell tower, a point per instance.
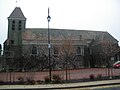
(13, 43)
(16, 25)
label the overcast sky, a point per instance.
(98, 15)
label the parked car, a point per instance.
(116, 64)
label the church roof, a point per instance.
(61, 34)
(17, 14)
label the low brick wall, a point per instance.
(72, 74)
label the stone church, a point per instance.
(27, 48)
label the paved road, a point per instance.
(110, 88)
(93, 85)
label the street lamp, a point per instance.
(49, 46)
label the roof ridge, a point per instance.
(68, 29)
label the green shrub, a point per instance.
(39, 82)
(56, 78)
(31, 81)
(99, 76)
(21, 80)
(47, 79)
(92, 77)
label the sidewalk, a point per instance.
(62, 86)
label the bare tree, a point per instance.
(66, 51)
(107, 50)
(37, 61)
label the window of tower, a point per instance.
(13, 22)
(20, 25)
(19, 22)
(13, 25)
(12, 41)
(19, 28)
(13, 28)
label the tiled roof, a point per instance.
(61, 34)
(17, 14)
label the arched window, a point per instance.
(34, 50)
(78, 50)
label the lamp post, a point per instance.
(49, 46)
